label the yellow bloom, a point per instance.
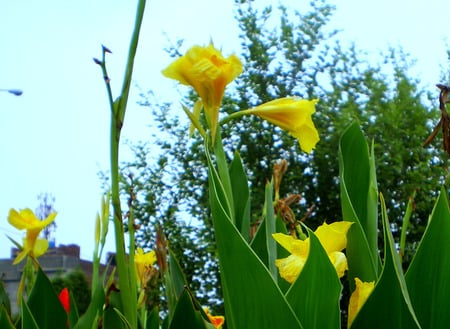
(293, 115)
(358, 298)
(208, 72)
(26, 220)
(333, 238)
(216, 320)
(144, 262)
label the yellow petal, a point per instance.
(26, 219)
(20, 256)
(208, 72)
(294, 246)
(339, 261)
(293, 115)
(333, 237)
(40, 247)
(290, 267)
(358, 298)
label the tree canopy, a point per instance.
(295, 55)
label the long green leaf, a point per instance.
(252, 298)
(175, 282)
(315, 295)
(185, 315)
(270, 225)
(389, 305)
(241, 196)
(94, 311)
(5, 319)
(428, 276)
(27, 319)
(359, 204)
(4, 298)
(44, 304)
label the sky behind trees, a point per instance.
(54, 138)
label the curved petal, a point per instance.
(358, 298)
(290, 267)
(339, 261)
(333, 236)
(40, 247)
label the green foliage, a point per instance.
(427, 276)
(78, 286)
(288, 53)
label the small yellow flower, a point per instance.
(144, 262)
(358, 298)
(26, 220)
(216, 320)
(333, 238)
(293, 115)
(208, 72)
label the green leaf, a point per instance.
(112, 317)
(389, 305)
(152, 321)
(175, 282)
(5, 319)
(315, 295)
(427, 277)
(270, 225)
(252, 298)
(44, 304)
(359, 204)
(28, 321)
(4, 298)
(185, 315)
(241, 196)
(88, 320)
(73, 312)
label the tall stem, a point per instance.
(127, 284)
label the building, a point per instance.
(56, 262)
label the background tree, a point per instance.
(288, 53)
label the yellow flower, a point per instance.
(216, 320)
(333, 238)
(144, 262)
(293, 115)
(208, 72)
(26, 220)
(358, 298)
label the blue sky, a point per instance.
(54, 138)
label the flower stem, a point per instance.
(118, 109)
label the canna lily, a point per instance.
(208, 72)
(143, 262)
(333, 238)
(216, 320)
(293, 115)
(26, 220)
(358, 298)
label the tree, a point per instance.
(296, 57)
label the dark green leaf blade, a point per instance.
(247, 284)
(45, 305)
(389, 305)
(315, 295)
(241, 196)
(185, 315)
(428, 274)
(359, 204)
